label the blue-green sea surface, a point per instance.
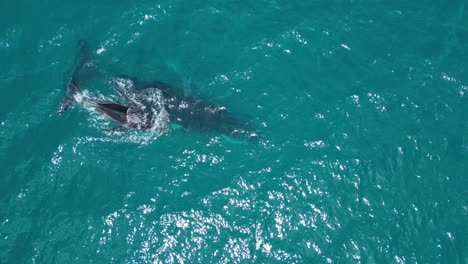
(360, 107)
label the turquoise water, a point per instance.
(360, 107)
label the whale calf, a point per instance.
(153, 104)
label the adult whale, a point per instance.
(140, 110)
(147, 105)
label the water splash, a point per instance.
(149, 100)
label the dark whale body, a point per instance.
(188, 111)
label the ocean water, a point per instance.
(361, 108)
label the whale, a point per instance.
(137, 111)
(144, 105)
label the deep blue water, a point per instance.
(360, 107)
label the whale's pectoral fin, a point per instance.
(82, 58)
(69, 100)
(116, 129)
(122, 93)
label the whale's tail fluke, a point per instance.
(83, 57)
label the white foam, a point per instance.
(149, 100)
